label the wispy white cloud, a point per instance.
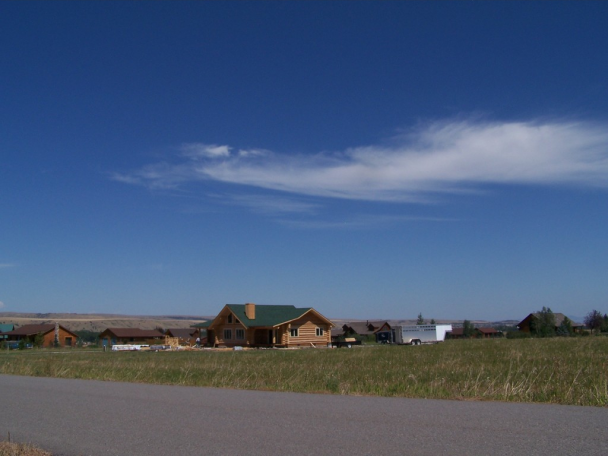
(7, 265)
(360, 222)
(431, 159)
(161, 176)
(1, 305)
(272, 205)
(199, 150)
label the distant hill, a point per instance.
(99, 322)
(439, 321)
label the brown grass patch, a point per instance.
(21, 449)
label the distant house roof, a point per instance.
(337, 331)
(360, 328)
(382, 324)
(32, 330)
(134, 333)
(6, 327)
(182, 333)
(487, 330)
(559, 318)
(364, 328)
(267, 315)
(270, 315)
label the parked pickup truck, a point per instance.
(348, 342)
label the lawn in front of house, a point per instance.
(556, 370)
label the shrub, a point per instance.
(39, 340)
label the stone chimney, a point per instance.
(250, 310)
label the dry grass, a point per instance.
(20, 449)
(562, 371)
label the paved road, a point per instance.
(76, 417)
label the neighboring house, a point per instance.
(4, 328)
(524, 325)
(359, 328)
(186, 336)
(125, 336)
(50, 332)
(269, 326)
(488, 333)
(480, 333)
(384, 333)
(337, 333)
(380, 330)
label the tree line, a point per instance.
(544, 325)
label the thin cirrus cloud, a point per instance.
(271, 205)
(429, 160)
(359, 222)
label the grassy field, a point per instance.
(559, 370)
(18, 449)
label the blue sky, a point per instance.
(369, 159)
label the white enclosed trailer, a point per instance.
(420, 334)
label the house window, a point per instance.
(293, 332)
(230, 318)
(68, 341)
(320, 332)
(240, 334)
(227, 334)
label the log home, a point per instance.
(269, 326)
(121, 336)
(52, 334)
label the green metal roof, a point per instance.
(6, 328)
(268, 315)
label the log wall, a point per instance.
(307, 328)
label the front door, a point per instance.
(260, 337)
(270, 341)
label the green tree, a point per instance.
(433, 322)
(87, 336)
(565, 328)
(39, 340)
(468, 330)
(605, 323)
(594, 321)
(420, 320)
(543, 325)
